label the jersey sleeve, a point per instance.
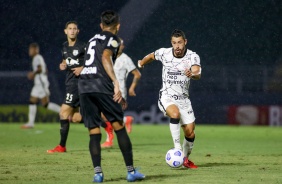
(36, 62)
(63, 52)
(113, 44)
(130, 66)
(195, 59)
(158, 54)
(63, 55)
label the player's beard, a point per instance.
(178, 52)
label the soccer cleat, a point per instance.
(107, 144)
(98, 178)
(134, 176)
(189, 164)
(59, 149)
(110, 136)
(27, 126)
(128, 123)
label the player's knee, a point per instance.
(175, 115)
(76, 118)
(189, 133)
(63, 115)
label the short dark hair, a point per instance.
(178, 33)
(109, 18)
(34, 45)
(71, 22)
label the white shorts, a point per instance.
(186, 111)
(39, 91)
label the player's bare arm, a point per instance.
(108, 66)
(194, 72)
(147, 59)
(31, 75)
(63, 65)
(136, 77)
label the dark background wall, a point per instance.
(239, 42)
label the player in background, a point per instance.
(40, 90)
(73, 61)
(122, 67)
(100, 93)
(179, 66)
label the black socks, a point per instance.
(190, 139)
(174, 121)
(64, 131)
(126, 148)
(95, 151)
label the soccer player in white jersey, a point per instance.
(122, 67)
(40, 90)
(179, 66)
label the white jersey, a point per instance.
(122, 67)
(40, 79)
(175, 83)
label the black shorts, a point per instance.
(91, 106)
(72, 96)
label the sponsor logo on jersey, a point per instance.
(177, 97)
(89, 70)
(75, 52)
(71, 61)
(177, 82)
(174, 73)
(190, 112)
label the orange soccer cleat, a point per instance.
(27, 126)
(110, 136)
(107, 144)
(58, 149)
(128, 123)
(189, 164)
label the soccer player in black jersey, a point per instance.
(99, 93)
(73, 60)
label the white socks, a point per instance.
(31, 114)
(175, 133)
(187, 147)
(53, 107)
(33, 109)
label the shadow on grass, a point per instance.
(216, 164)
(148, 178)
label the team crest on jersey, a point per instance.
(75, 52)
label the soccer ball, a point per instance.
(174, 157)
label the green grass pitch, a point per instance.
(224, 154)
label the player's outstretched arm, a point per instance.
(147, 59)
(108, 66)
(136, 77)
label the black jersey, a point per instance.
(74, 56)
(93, 77)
